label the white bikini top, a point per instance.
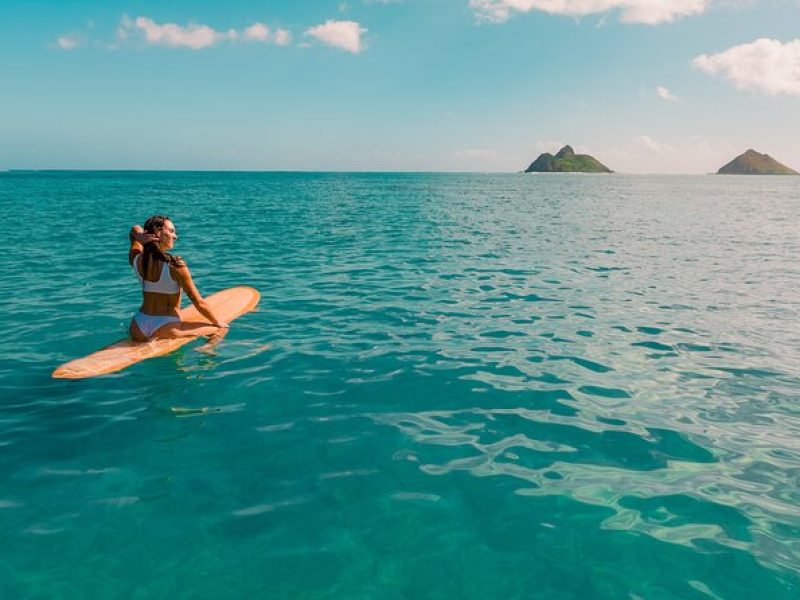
(165, 284)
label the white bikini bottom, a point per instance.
(149, 324)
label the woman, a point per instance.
(163, 276)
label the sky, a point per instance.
(645, 86)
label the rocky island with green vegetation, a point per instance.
(566, 161)
(755, 163)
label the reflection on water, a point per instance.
(455, 386)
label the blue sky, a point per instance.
(646, 86)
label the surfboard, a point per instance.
(227, 304)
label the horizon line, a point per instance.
(322, 171)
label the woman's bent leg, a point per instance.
(185, 329)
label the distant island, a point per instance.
(566, 161)
(754, 163)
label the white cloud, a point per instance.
(631, 11)
(345, 35)
(765, 65)
(258, 32)
(194, 36)
(69, 42)
(665, 94)
(171, 35)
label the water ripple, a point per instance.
(584, 386)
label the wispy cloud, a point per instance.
(345, 35)
(193, 36)
(282, 37)
(665, 94)
(648, 12)
(70, 41)
(476, 153)
(765, 65)
(647, 154)
(649, 143)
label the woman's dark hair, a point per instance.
(151, 249)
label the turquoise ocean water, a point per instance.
(455, 386)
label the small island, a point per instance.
(754, 163)
(566, 161)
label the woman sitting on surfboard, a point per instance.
(163, 276)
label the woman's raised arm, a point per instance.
(138, 238)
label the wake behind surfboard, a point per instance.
(227, 304)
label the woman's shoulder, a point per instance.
(178, 262)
